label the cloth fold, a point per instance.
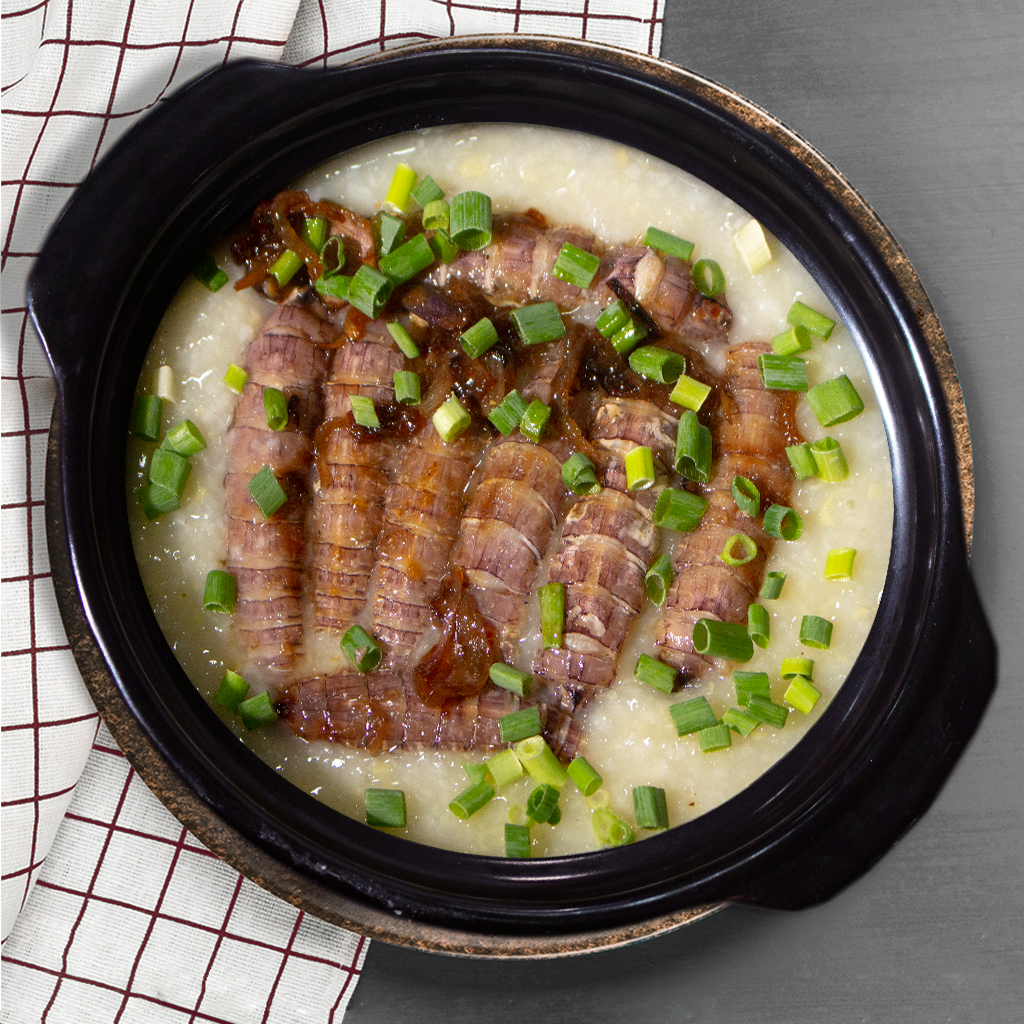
(111, 910)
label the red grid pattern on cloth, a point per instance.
(123, 915)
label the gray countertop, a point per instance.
(921, 106)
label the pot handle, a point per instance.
(893, 795)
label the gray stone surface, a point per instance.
(921, 105)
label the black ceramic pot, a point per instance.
(818, 818)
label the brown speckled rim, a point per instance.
(306, 893)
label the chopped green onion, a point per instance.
(275, 408)
(369, 291)
(285, 266)
(427, 191)
(748, 550)
(165, 383)
(609, 829)
(407, 260)
(504, 767)
(788, 343)
(451, 419)
(782, 373)
(469, 801)
(477, 339)
(693, 448)
(235, 378)
(839, 564)
(471, 220)
(639, 469)
(333, 256)
(407, 387)
(715, 737)
(801, 458)
(613, 318)
(580, 475)
(436, 215)
(657, 364)
(403, 339)
(556, 816)
(517, 841)
(583, 775)
(835, 401)
(184, 439)
(517, 815)
(651, 807)
(771, 589)
(388, 232)
(475, 772)
(508, 413)
(267, 492)
(802, 694)
(540, 761)
(209, 275)
(363, 651)
(627, 338)
(385, 808)
(708, 278)
(747, 496)
(658, 579)
(749, 684)
(671, 245)
(257, 711)
(728, 640)
(443, 247)
(655, 673)
(335, 286)
(797, 667)
(519, 725)
(782, 523)
(817, 323)
(552, 613)
(148, 416)
(364, 412)
(512, 679)
(232, 690)
(534, 420)
(219, 592)
(170, 470)
(538, 323)
(740, 721)
(689, 393)
(759, 625)
(815, 632)
(692, 715)
(157, 500)
(679, 510)
(401, 187)
(753, 246)
(541, 803)
(765, 711)
(830, 460)
(314, 232)
(575, 266)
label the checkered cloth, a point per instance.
(111, 910)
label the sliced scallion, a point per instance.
(639, 469)
(771, 589)
(403, 339)
(184, 439)
(285, 267)
(815, 632)
(658, 579)
(625, 339)
(613, 318)
(157, 500)
(427, 191)
(759, 625)
(651, 807)
(541, 803)
(811, 320)
(407, 260)
(583, 775)
(739, 549)
(443, 247)
(451, 419)
(728, 640)
(835, 401)
(797, 667)
(519, 724)
(469, 801)
(538, 323)
(471, 220)
(407, 387)
(335, 286)
(790, 342)
(170, 470)
(671, 245)
(148, 417)
(257, 711)
(475, 772)
(508, 413)
(740, 721)
(693, 448)
(830, 460)
(747, 496)
(802, 694)
(219, 592)
(801, 458)
(275, 408)
(385, 808)
(504, 767)
(692, 715)
(369, 291)
(267, 492)
(839, 564)
(679, 510)
(715, 737)
(437, 215)
(575, 266)
(657, 363)
(765, 711)
(512, 679)
(580, 475)
(517, 841)
(655, 673)
(782, 373)
(609, 829)
(232, 690)
(363, 651)
(165, 383)
(540, 761)
(388, 232)
(314, 232)
(402, 183)
(689, 393)
(753, 246)
(476, 340)
(552, 613)
(708, 278)
(209, 275)
(749, 684)
(235, 378)
(364, 412)
(534, 420)
(782, 523)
